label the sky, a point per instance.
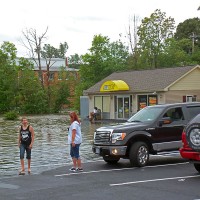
(78, 21)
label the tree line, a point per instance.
(155, 43)
(22, 91)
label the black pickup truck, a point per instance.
(152, 130)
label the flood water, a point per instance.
(50, 148)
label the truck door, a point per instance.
(168, 136)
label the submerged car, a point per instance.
(191, 142)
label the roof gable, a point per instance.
(188, 81)
(182, 77)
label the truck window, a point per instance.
(149, 113)
(175, 114)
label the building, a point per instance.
(56, 67)
(122, 94)
(58, 71)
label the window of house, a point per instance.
(51, 76)
(190, 98)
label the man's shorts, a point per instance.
(24, 148)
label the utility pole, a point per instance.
(193, 36)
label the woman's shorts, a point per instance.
(74, 151)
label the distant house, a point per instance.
(58, 71)
(124, 93)
(56, 67)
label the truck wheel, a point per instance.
(139, 154)
(110, 159)
(197, 167)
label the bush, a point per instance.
(11, 115)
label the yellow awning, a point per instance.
(114, 85)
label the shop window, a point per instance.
(106, 104)
(147, 100)
(152, 100)
(142, 101)
(103, 103)
(98, 102)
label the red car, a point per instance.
(191, 142)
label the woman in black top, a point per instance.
(25, 143)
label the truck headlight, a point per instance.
(94, 135)
(118, 136)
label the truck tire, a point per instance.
(111, 159)
(139, 154)
(197, 167)
(193, 136)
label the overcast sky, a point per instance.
(77, 21)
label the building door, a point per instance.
(123, 107)
(84, 107)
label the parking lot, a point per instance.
(166, 177)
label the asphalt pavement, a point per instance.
(166, 177)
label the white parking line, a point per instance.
(154, 180)
(90, 172)
(109, 170)
(153, 166)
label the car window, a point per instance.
(175, 114)
(193, 111)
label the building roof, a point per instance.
(55, 64)
(145, 80)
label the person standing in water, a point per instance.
(75, 140)
(25, 143)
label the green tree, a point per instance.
(30, 97)
(60, 92)
(49, 51)
(75, 61)
(153, 33)
(189, 30)
(20, 90)
(195, 57)
(8, 76)
(104, 58)
(174, 55)
(61, 96)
